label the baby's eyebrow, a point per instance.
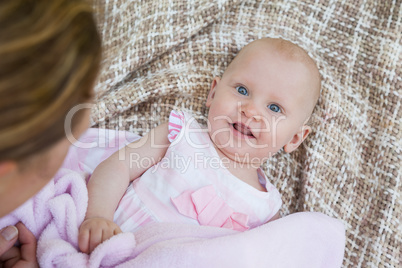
(240, 79)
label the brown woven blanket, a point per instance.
(160, 55)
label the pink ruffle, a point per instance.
(176, 121)
(209, 209)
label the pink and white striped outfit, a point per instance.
(191, 185)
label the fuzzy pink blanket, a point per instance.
(54, 215)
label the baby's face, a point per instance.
(260, 105)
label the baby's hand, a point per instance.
(94, 231)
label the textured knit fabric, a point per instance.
(162, 55)
(192, 166)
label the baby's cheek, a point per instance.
(222, 137)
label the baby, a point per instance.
(212, 176)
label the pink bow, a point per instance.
(209, 209)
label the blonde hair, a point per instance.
(50, 55)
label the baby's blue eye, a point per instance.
(275, 108)
(242, 90)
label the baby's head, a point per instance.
(263, 101)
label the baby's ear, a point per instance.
(297, 139)
(211, 94)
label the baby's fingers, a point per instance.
(116, 231)
(83, 240)
(95, 238)
(94, 231)
(109, 232)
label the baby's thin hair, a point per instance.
(297, 53)
(291, 51)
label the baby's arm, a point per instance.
(109, 182)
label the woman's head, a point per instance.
(50, 54)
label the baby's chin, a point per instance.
(243, 155)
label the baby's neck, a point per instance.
(246, 172)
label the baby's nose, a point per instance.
(250, 110)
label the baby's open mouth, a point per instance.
(243, 129)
